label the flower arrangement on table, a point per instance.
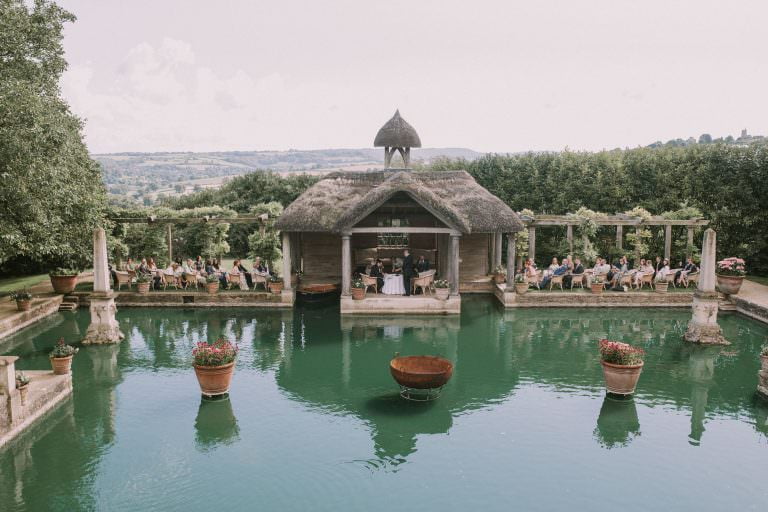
(442, 283)
(218, 353)
(620, 353)
(731, 267)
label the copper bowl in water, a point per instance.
(421, 372)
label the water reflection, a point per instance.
(617, 424)
(215, 424)
(701, 373)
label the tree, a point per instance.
(53, 196)
(705, 138)
(265, 243)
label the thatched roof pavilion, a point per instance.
(397, 135)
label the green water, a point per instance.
(314, 421)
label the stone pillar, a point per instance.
(287, 261)
(498, 245)
(569, 237)
(620, 237)
(689, 251)
(511, 253)
(104, 327)
(532, 243)
(703, 327)
(346, 265)
(668, 244)
(454, 264)
(637, 251)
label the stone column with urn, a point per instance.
(703, 327)
(104, 327)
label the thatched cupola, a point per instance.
(397, 135)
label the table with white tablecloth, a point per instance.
(393, 285)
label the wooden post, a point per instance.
(498, 245)
(455, 264)
(346, 265)
(170, 245)
(532, 243)
(569, 236)
(688, 248)
(668, 244)
(286, 261)
(620, 237)
(511, 249)
(637, 250)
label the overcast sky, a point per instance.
(488, 75)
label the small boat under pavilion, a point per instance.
(347, 220)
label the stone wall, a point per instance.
(762, 377)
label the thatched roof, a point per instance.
(342, 199)
(397, 133)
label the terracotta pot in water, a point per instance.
(61, 365)
(729, 285)
(214, 380)
(358, 293)
(23, 305)
(621, 379)
(421, 372)
(63, 284)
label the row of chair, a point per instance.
(625, 280)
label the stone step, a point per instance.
(71, 298)
(67, 306)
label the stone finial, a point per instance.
(101, 282)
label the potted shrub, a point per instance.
(622, 364)
(358, 289)
(661, 285)
(598, 285)
(23, 299)
(214, 364)
(499, 274)
(730, 274)
(64, 280)
(521, 284)
(212, 283)
(275, 284)
(143, 282)
(61, 357)
(442, 289)
(22, 383)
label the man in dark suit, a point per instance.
(422, 265)
(377, 271)
(408, 271)
(578, 270)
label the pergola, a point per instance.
(619, 221)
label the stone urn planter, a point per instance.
(276, 287)
(499, 278)
(521, 288)
(142, 287)
(23, 390)
(61, 365)
(442, 293)
(358, 293)
(214, 380)
(212, 287)
(597, 288)
(729, 285)
(622, 364)
(23, 305)
(64, 283)
(662, 286)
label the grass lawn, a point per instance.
(9, 284)
(759, 279)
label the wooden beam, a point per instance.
(190, 220)
(532, 243)
(569, 237)
(170, 244)
(690, 242)
(668, 242)
(620, 237)
(404, 229)
(613, 220)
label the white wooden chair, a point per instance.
(123, 278)
(577, 279)
(369, 281)
(259, 278)
(424, 281)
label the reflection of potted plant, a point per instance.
(521, 284)
(358, 289)
(275, 284)
(61, 357)
(23, 299)
(598, 285)
(730, 274)
(214, 364)
(499, 274)
(212, 283)
(64, 280)
(215, 424)
(142, 283)
(622, 364)
(617, 423)
(22, 383)
(661, 285)
(442, 289)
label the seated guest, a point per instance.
(646, 268)
(397, 265)
(577, 271)
(552, 267)
(259, 267)
(248, 278)
(663, 270)
(530, 268)
(129, 265)
(559, 271)
(689, 268)
(657, 266)
(216, 265)
(208, 269)
(143, 268)
(422, 265)
(152, 265)
(377, 271)
(199, 266)
(618, 271)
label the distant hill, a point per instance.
(745, 139)
(144, 176)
